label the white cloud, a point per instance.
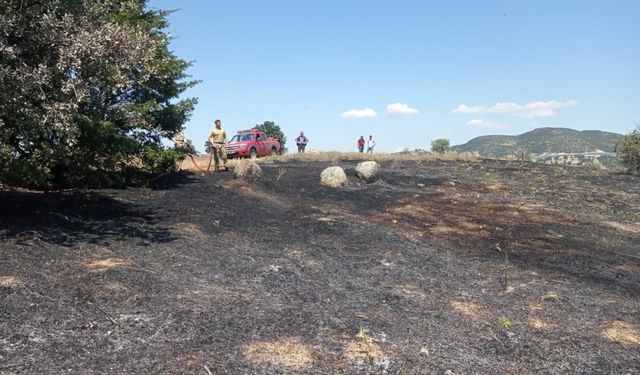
(400, 109)
(359, 113)
(485, 124)
(529, 110)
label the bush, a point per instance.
(87, 85)
(522, 154)
(208, 147)
(440, 145)
(157, 159)
(629, 151)
(593, 165)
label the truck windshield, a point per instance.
(242, 137)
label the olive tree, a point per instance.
(89, 88)
(628, 150)
(440, 145)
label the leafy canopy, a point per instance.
(89, 89)
(440, 145)
(629, 151)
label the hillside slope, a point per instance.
(542, 140)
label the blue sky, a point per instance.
(408, 72)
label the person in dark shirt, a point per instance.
(301, 141)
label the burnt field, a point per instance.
(447, 267)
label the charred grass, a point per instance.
(467, 266)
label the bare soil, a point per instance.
(485, 267)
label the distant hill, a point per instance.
(542, 140)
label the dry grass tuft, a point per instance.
(287, 352)
(10, 282)
(303, 258)
(550, 297)
(189, 229)
(539, 324)
(624, 227)
(113, 288)
(628, 268)
(412, 293)
(622, 332)
(362, 351)
(469, 309)
(334, 156)
(203, 161)
(106, 264)
(533, 307)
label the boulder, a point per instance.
(333, 177)
(368, 171)
(247, 168)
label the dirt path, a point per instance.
(441, 267)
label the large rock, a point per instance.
(333, 177)
(368, 171)
(247, 168)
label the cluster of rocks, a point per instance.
(367, 172)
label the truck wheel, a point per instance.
(273, 151)
(253, 153)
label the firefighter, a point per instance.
(217, 138)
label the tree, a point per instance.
(440, 145)
(89, 88)
(208, 147)
(273, 130)
(522, 154)
(628, 151)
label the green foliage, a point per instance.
(542, 140)
(593, 165)
(608, 243)
(157, 159)
(88, 86)
(364, 336)
(208, 147)
(629, 151)
(505, 322)
(522, 154)
(440, 145)
(273, 130)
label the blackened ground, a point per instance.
(468, 267)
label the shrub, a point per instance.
(593, 165)
(522, 154)
(86, 86)
(440, 145)
(629, 151)
(157, 159)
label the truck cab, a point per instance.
(251, 143)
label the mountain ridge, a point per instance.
(542, 140)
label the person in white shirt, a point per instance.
(370, 145)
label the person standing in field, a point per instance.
(218, 137)
(301, 141)
(361, 143)
(370, 145)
